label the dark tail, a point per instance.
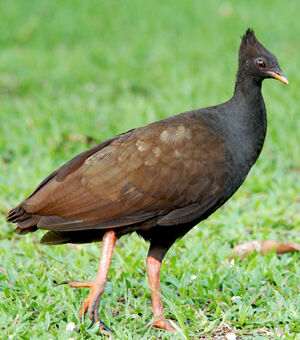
(26, 223)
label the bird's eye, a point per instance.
(261, 63)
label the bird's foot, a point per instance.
(163, 323)
(90, 305)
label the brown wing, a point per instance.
(172, 169)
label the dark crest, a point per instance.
(250, 46)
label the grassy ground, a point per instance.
(73, 73)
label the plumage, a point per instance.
(133, 178)
(159, 180)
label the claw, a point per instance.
(103, 325)
(60, 283)
(101, 322)
(92, 323)
(95, 318)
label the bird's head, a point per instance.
(256, 61)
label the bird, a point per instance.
(159, 180)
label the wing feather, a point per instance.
(169, 169)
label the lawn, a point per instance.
(74, 73)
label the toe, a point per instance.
(79, 284)
(84, 307)
(163, 323)
(95, 318)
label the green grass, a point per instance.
(76, 72)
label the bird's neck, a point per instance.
(248, 99)
(248, 87)
(249, 120)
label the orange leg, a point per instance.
(153, 270)
(91, 304)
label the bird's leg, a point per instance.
(91, 304)
(153, 272)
